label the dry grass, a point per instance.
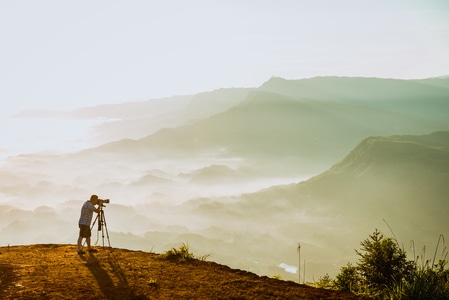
(58, 272)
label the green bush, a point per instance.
(348, 280)
(383, 272)
(423, 283)
(382, 263)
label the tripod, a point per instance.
(102, 226)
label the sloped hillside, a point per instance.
(399, 166)
(389, 168)
(57, 272)
(399, 179)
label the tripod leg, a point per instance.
(93, 224)
(107, 233)
(102, 235)
(100, 225)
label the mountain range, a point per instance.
(313, 122)
(246, 174)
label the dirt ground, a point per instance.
(58, 272)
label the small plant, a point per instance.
(182, 254)
(152, 282)
(324, 282)
(203, 257)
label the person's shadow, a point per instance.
(105, 282)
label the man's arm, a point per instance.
(95, 209)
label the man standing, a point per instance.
(84, 223)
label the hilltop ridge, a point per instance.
(51, 271)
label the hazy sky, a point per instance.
(65, 54)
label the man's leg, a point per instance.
(84, 233)
(88, 242)
(80, 240)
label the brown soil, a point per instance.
(58, 272)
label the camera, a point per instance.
(103, 201)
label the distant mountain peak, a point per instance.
(399, 150)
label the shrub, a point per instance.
(423, 283)
(383, 272)
(324, 282)
(348, 279)
(382, 263)
(182, 254)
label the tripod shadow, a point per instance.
(115, 287)
(120, 289)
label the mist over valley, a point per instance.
(246, 174)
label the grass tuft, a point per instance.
(182, 254)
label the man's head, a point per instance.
(94, 199)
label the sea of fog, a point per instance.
(45, 135)
(66, 135)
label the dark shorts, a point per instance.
(84, 231)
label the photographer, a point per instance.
(84, 222)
